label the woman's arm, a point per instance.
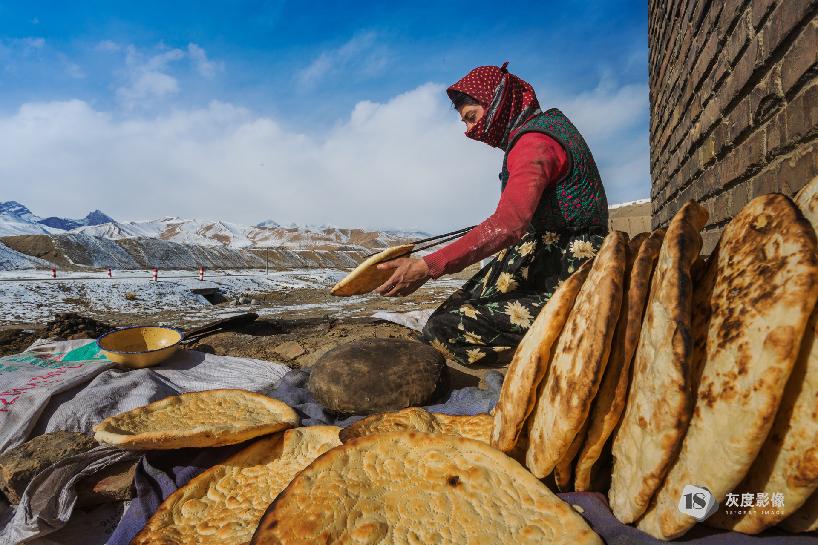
(535, 163)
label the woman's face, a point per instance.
(470, 114)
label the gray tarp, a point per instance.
(81, 394)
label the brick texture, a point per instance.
(734, 103)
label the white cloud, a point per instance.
(73, 70)
(108, 46)
(614, 121)
(361, 55)
(149, 78)
(402, 163)
(204, 66)
(33, 43)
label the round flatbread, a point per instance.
(658, 406)
(530, 363)
(610, 400)
(408, 488)
(764, 292)
(579, 360)
(224, 503)
(410, 419)
(367, 276)
(477, 427)
(198, 419)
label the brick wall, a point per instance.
(734, 103)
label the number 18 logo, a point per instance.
(697, 502)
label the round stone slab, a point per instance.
(376, 375)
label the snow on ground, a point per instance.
(12, 260)
(630, 203)
(33, 296)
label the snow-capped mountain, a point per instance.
(233, 235)
(17, 219)
(93, 218)
(184, 231)
(17, 210)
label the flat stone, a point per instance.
(20, 464)
(114, 483)
(289, 350)
(375, 375)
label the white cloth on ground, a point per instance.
(414, 319)
(71, 403)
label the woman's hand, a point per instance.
(410, 274)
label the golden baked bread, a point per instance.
(197, 419)
(407, 488)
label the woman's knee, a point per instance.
(435, 327)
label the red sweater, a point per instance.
(535, 163)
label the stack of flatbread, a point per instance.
(651, 369)
(409, 487)
(439, 486)
(225, 503)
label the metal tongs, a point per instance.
(432, 241)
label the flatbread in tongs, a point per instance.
(367, 276)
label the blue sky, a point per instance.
(320, 112)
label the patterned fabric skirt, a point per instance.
(484, 321)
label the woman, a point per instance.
(552, 215)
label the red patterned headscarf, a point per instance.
(508, 100)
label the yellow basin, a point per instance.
(140, 346)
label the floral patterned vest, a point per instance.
(577, 203)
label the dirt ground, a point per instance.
(296, 337)
(300, 343)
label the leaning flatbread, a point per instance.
(807, 201)
(788, 461)
(408, 488)
(579, 360)
(225, 503)
(530, 363)
(805, 519)
(610, 401)
(764, 292)
(477, 427)
(564, 469)
(659, 404)
(367, 276)
(198, 419)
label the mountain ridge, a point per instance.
(16, 219)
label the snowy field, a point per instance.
(32, 296)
